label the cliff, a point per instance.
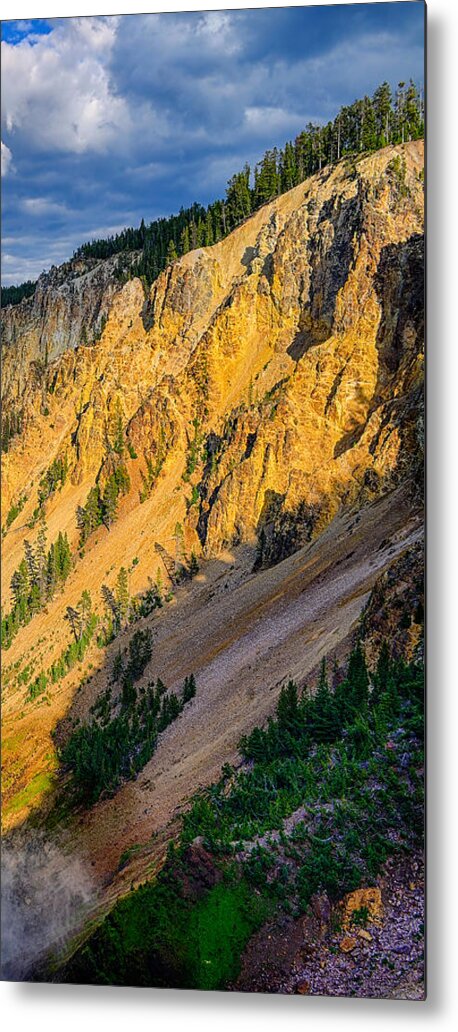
(267, 396)
(287, 357)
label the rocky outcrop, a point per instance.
(67, 310)
(283, 363)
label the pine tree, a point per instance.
(208, 237)
(20, 585)
(288, 709)
(369, 128)
(238, 197)
(413, 118)
(64, 556)
(31, 563)
(288, 170)
(111, 606)
(52, 570)
(382, 101)
(171, 252)
(189, 688)
(93, 508)
(85, 609)
(358, 680)
(110, 502)
(129, 692)
(399, 113)
(74, 619)
(185, 244)
(322, 712)
(41, 562)
(267, 180)
(89, 517)
(122, 594)
(359, 738)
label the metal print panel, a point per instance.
(212, 524)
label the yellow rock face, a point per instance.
(289, 343)
(273, 378)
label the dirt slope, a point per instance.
(240, 636)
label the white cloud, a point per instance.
(43, 206)
(111, 119)
(57, 92)
(217, 31)
(272, 119)
(6, 159)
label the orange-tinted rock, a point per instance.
(367, 900)
(348, 944)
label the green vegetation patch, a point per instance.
(329, 789)
(39, 575)
(40, 784)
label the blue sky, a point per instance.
(106, 120)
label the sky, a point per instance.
(105, 120)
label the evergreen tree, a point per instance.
(208, 233)
(382, 102)
(110, 502)
(171, 252)
(20, 585)
(267, 180)
(74, 619)
(364, 125)
(85, 609)
(31, 564)
(52, 570)
(322, 712)
(368, 127)
(359, 738)
(111, 607)
(93, 509)
(64, 556)
(288, 169)
(129, 692)
(41, 562)
(412, 110)
(122, 594)
(238, 197)
(358, 680)
(185, 244)
(189, 688)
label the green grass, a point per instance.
(34, 791)
(155, 937)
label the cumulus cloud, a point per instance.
(6, 159)
(56, 88)
(111, 119)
